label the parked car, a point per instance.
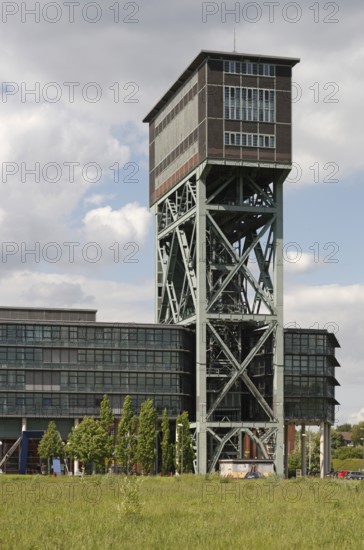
(254, 475)
(342, 474)
(355, 475)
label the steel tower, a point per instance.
(220, 150)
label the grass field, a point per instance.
(348, 464)
(107, 512)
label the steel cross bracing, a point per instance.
(176, 226)
(219, 269)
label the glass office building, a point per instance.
(309, 376)
(58, 364)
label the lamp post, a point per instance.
(1, 454)
(362, 439)
(309, 450)
(303, 455)
(181, 426)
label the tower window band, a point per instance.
(249, 104)
(249, 140)
(261, 69)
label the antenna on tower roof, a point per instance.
(234, 50)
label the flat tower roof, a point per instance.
(205, 54)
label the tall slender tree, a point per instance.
(107, 423)
(51, 444)
(147, 436)
(166, 446)
(133, 443)
(106, 414)
(184, 450)
(126, 436)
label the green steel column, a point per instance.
(201, 338)
(278, 360)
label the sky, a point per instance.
(77, 80)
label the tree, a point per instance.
(126, 441)
(184, 450)
(166, 446)
(106, 414)
(51, 444)
(344, 428)
(315, 455)
(89, 442)
(147, 436)
(107, 420)
(337, 440)
(294, 463)
(348, 452)
(357, 434)
(133, 442)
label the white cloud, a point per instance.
(357, 417)
(61, 294)
(115, 301)
(53, 139)
(129, 223)
(297, 262)
(44, 133)
(96, 199)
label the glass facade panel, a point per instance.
(55, 370)
(309, 383)
(84, 362)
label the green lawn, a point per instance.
(354, 464)
(101, 512)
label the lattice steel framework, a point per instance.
(220, 271)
